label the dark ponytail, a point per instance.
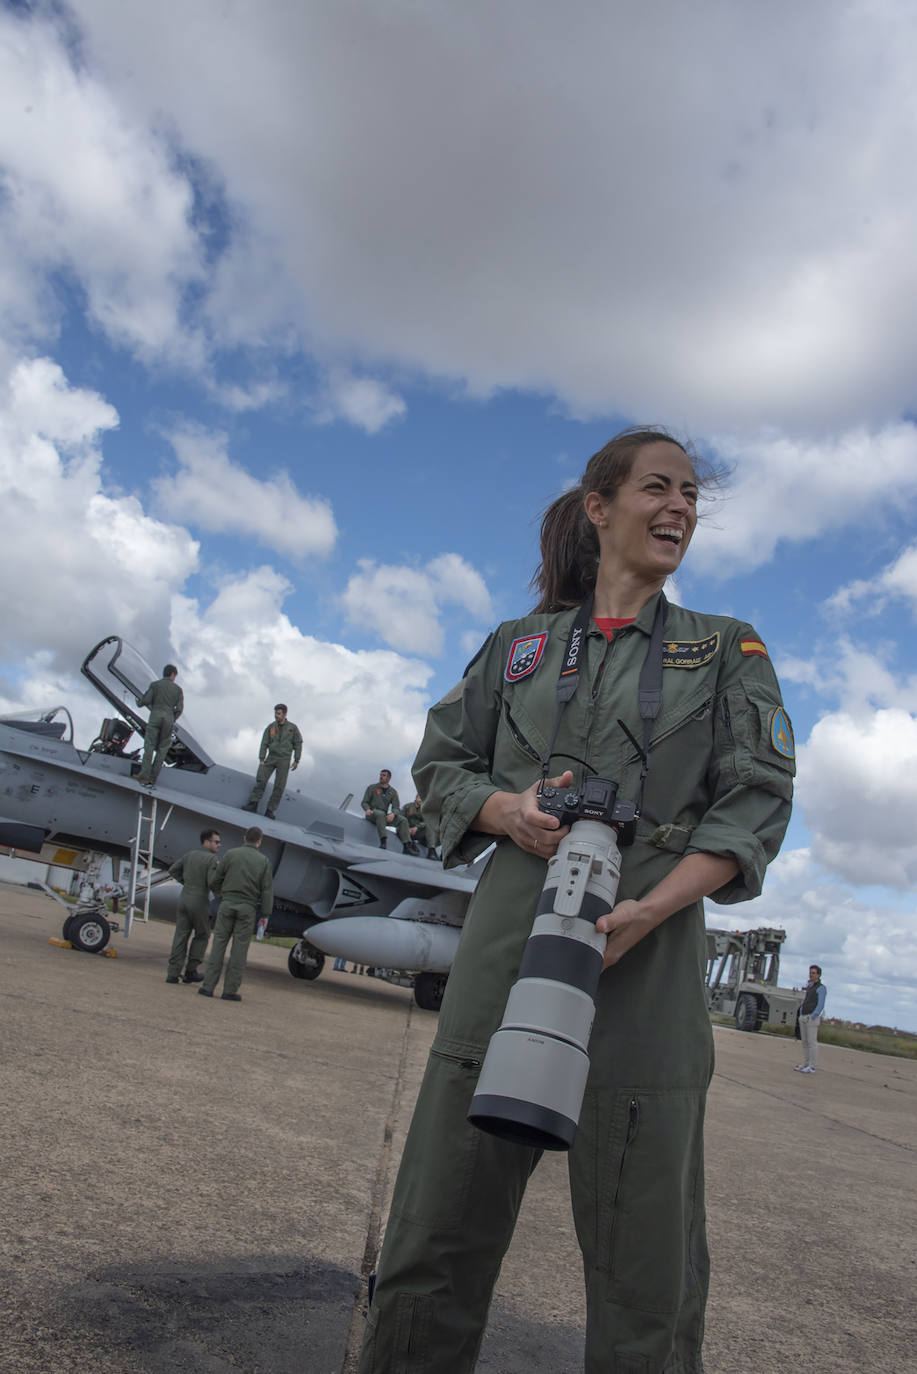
(569, 543)
(569, 553)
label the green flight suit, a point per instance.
(166, 702)
(382, 802)
(415, 818)
(720, 782)
(280, 744)
(195, 871)
(243, 882)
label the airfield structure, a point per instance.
(741, 981)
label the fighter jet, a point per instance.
(335, 891)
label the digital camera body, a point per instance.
(598, 801)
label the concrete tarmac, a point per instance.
(196, 1185)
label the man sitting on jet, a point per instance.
(381, 806)
(166, 702)
(280, 743)
(413, 813)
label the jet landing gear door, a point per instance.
(121, 675)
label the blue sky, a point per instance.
(307, 311)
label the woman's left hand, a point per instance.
(625, 926)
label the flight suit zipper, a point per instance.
(456, 1059)
(594, 696)
(633, 1121)
(518, 735)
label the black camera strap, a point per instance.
(649, 689)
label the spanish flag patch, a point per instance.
(752, 646)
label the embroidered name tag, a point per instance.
(525, 656)
(689, 653)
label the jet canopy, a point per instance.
(122, 675)
(54, 721)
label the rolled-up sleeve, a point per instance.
(455, 760)
(751, 773)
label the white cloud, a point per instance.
(857, 679)
(403, 605)
(866, 949)
(253, 396)
(794, 489)
(361, 401)
(216, 494)
(78, 563)
(456, 581)
(857, 786)
(241, 653)
(90, 190)
(237, 656)
(898, 579)
(660, 209)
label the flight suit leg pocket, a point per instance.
(643, 1166)
(453, 1176)
(402, 1342)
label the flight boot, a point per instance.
(192, 976)
(383, 842)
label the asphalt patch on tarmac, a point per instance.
(265, 1315)
(516, 1345)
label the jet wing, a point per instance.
(345, 853)
(408, 870)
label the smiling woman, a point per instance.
(641, 489)
(712, 795)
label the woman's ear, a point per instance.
(594, 506)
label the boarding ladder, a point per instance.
(142, 847)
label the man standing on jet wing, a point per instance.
(280, 743)
(166, 702)
(243, 880)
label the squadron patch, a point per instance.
(689, 653)
(782, 733)
(525, 656)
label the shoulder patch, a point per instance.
(782, 733)
(753, 646)
(524, 656)
(689, 653)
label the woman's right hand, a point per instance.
(517, 815)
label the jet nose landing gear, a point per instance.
(305, 961)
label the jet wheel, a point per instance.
(305, 961)
(90, 933)
(429, 989)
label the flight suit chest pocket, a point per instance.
(520, 740)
